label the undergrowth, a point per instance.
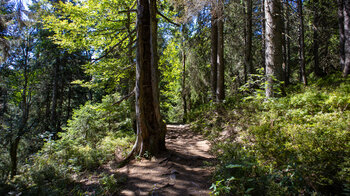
(293, 145)
(91, 138)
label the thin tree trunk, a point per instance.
(184, 85)
(55, 95)
(341, 33)
(69, 107)
(263, 32)
(318, 72)
(13, 155)
(301, 43)
(24, 119)
(347, 37)
(248, 40)
(220, 95)
(274, 56)
(214, 50)
(287, 45)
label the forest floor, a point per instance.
(183, 170)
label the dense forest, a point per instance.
(86, 83)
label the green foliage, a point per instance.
(91, 136)
(297, 144)
(171, 69)
(90, 139)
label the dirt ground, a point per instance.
(183, 170)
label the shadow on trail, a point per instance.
(182, 170)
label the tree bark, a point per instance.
(55, 87)
(318, 72)
(248, 40)
(263, 32)
(184, 85)
(287, 45)
(13, 155)
(301, 43)
(214, 50)
(273, 53)
(150, 128)
(341, 33)
(220, 95)
(347, 37)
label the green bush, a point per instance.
(90, 139)
(298, 144)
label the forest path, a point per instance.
(180, 171)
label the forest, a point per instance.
(220, 97)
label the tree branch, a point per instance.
(110, 50)
(167, 19)
(127, 11)
(125, 97)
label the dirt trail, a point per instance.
(180, 171)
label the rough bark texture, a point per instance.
(273, 37)
(301, 43)
(347, 37)
(150, 128)
(220, 91)
(214, 50)
(341, 33)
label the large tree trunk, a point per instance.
(273, 53)
(347, 37)
(341, 33)
(214, 50)
(301, 43)
(220, 95)
(150, 128)
(248, 40)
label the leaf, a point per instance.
(234, 166)
(249, 190)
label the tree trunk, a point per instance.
(318, 72)
(347, 37)
(248, 40)
(184, 85)
(214, 50)
(263, 30)
(55, 94)
(220, 95)
(301, 43)
(274, 56)
(24, 119)
(13, 155)
(150, 128)
(287, 45)
(341, 33)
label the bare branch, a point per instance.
(167, 19)
(125, 97)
